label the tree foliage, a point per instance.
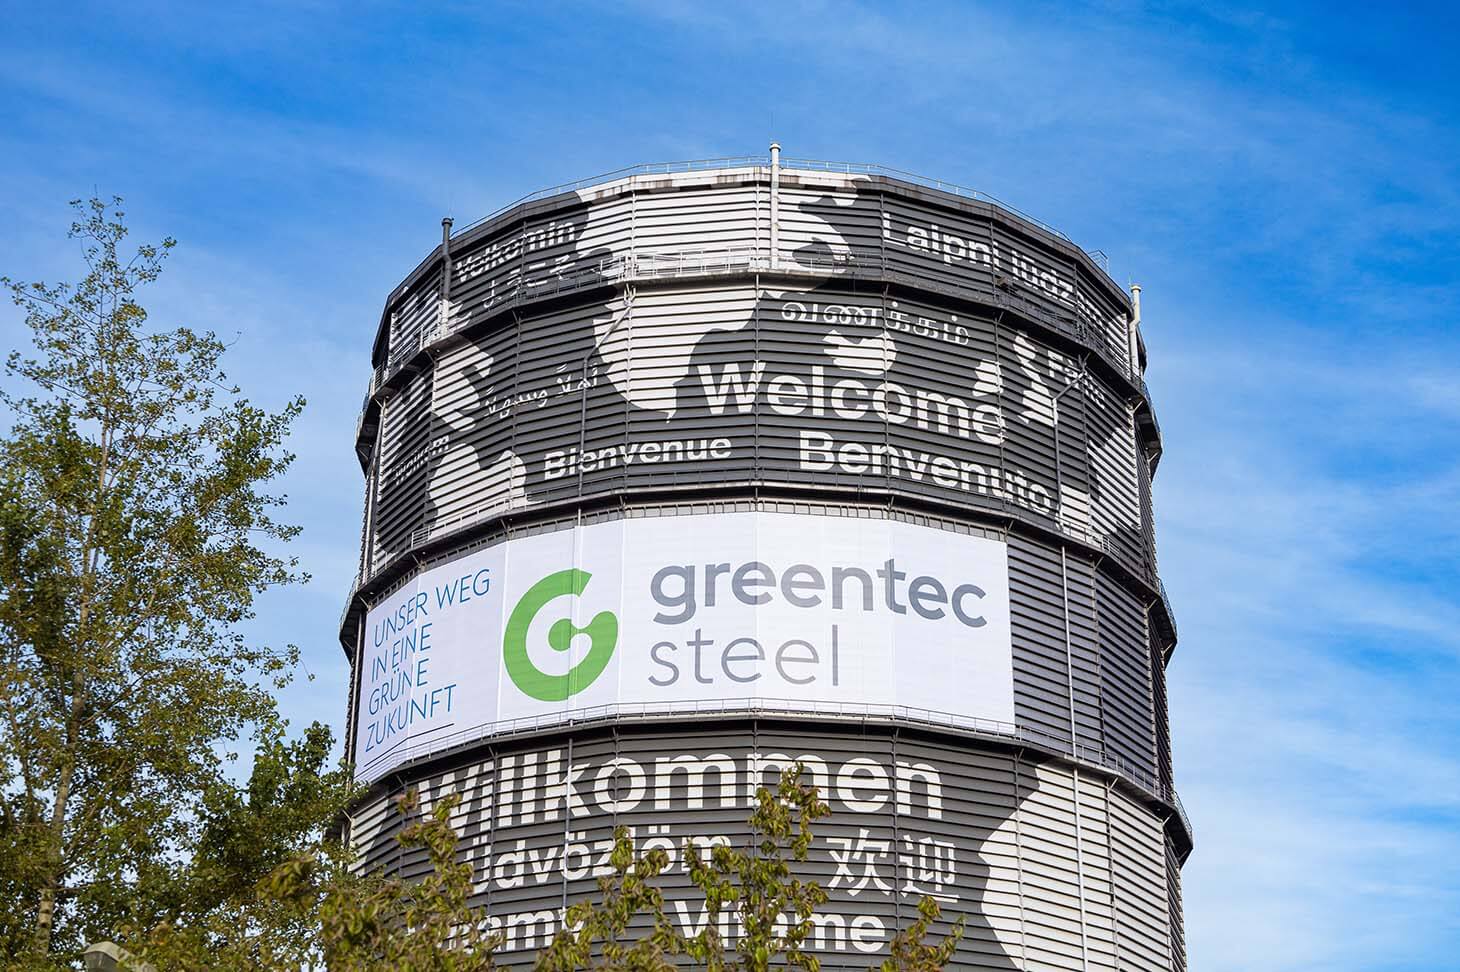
(222, 914)
(136, 529)
(912, 952)
(314, 910)
(774, 905)
(771, 906)
(601, 935)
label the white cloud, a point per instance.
(1312, 695)
(1291, 226)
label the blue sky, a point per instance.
(1283, 182)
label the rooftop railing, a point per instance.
(1090, 756)
(604, 178)
(952, 188)
(865, 262)
(759, 161)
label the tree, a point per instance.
(370, 924)
(314, 911)
(250, 835)
(136, 529)
(910, 951)
(597, 934)
(775, 906)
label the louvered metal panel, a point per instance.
(719, 385)
(1125, 676)
(402, 470)
(1028, 853)
(1175, 921)
(1041, 659)
(413, 320)
(1085, 676)
(1142, 915)
(1116, 489)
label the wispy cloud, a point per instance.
(1311, 697)
(1286, 184)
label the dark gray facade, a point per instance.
(738, 337)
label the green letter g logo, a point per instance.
(602, 632)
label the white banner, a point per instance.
(671, 612)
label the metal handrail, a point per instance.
(603, 178)
(809, 165)
(1166, 603)
(1181, 812)
(350, 597)
(952, 188)
(1003, 731)
(637, 265)
(444, 526)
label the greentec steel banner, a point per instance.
(695, 613)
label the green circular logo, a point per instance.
(602, 633)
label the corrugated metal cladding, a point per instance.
(1053, 865)
(637, 348)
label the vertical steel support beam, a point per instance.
(1080, 855)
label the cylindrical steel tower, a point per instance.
(691, 472)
